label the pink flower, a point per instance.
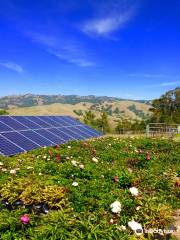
(148, 156)
(25, 219)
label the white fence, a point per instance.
(162, 129)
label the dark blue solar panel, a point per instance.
(61, 121)
(12, 123)
(50, 121)
(4, 127)
(20, 140)
(50, 136)
(35, 137)
(38, 121)
(61, 134)
(23, 133)
(55, 118)
(7, 148)
(85, 130)
(92, 130)
(78, 131)
(71, 121)
(25, 121)
(73, 134)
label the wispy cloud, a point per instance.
(147, 75)
(12, 66)
(165, 84)
(70, 58)
(63, 49)
(109, 16)
(106, 25)
(42, 38)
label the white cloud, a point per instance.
(169, 84)
(44, 39)
(70, 58)
(62, 48)
(147, 75)
(165, 84)
(12, 66)
(105, 25)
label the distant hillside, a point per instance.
(29, 100)
(75, 106)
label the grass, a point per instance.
(39, 184)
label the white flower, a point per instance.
(95, 160)
(40, 174)
(136, 227)
(121, 228)
(74, 184)
(138, 208)
(1, 164)
(109, 144)
(81, 166)
(69, 147)
(4, 170)
(13, 171)
(134, 191)
(130, 170)
(29, 167)
(17, 169)
(74, 163)
(45, 157)
(116, 207)
(111, 221)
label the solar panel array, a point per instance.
(23, 133)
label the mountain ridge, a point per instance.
(30, 100)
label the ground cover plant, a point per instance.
(107, 188)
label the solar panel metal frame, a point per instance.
(68, 126)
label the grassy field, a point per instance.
(107, 188)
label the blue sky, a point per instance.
(123, 48)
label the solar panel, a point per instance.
(26, 122)
(50, 136)
(20, 140)
(59, 132)
(23, 133)
(38, 121)
(37, 138)
(12, 123)
(8, 148)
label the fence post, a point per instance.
(147, 130)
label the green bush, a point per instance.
(109, 167)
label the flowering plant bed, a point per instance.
(108, 188)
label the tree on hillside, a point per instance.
(117, 111)
(103, 123)
(119, 127)
(167, 107)
(89, 118)
(3, 112)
